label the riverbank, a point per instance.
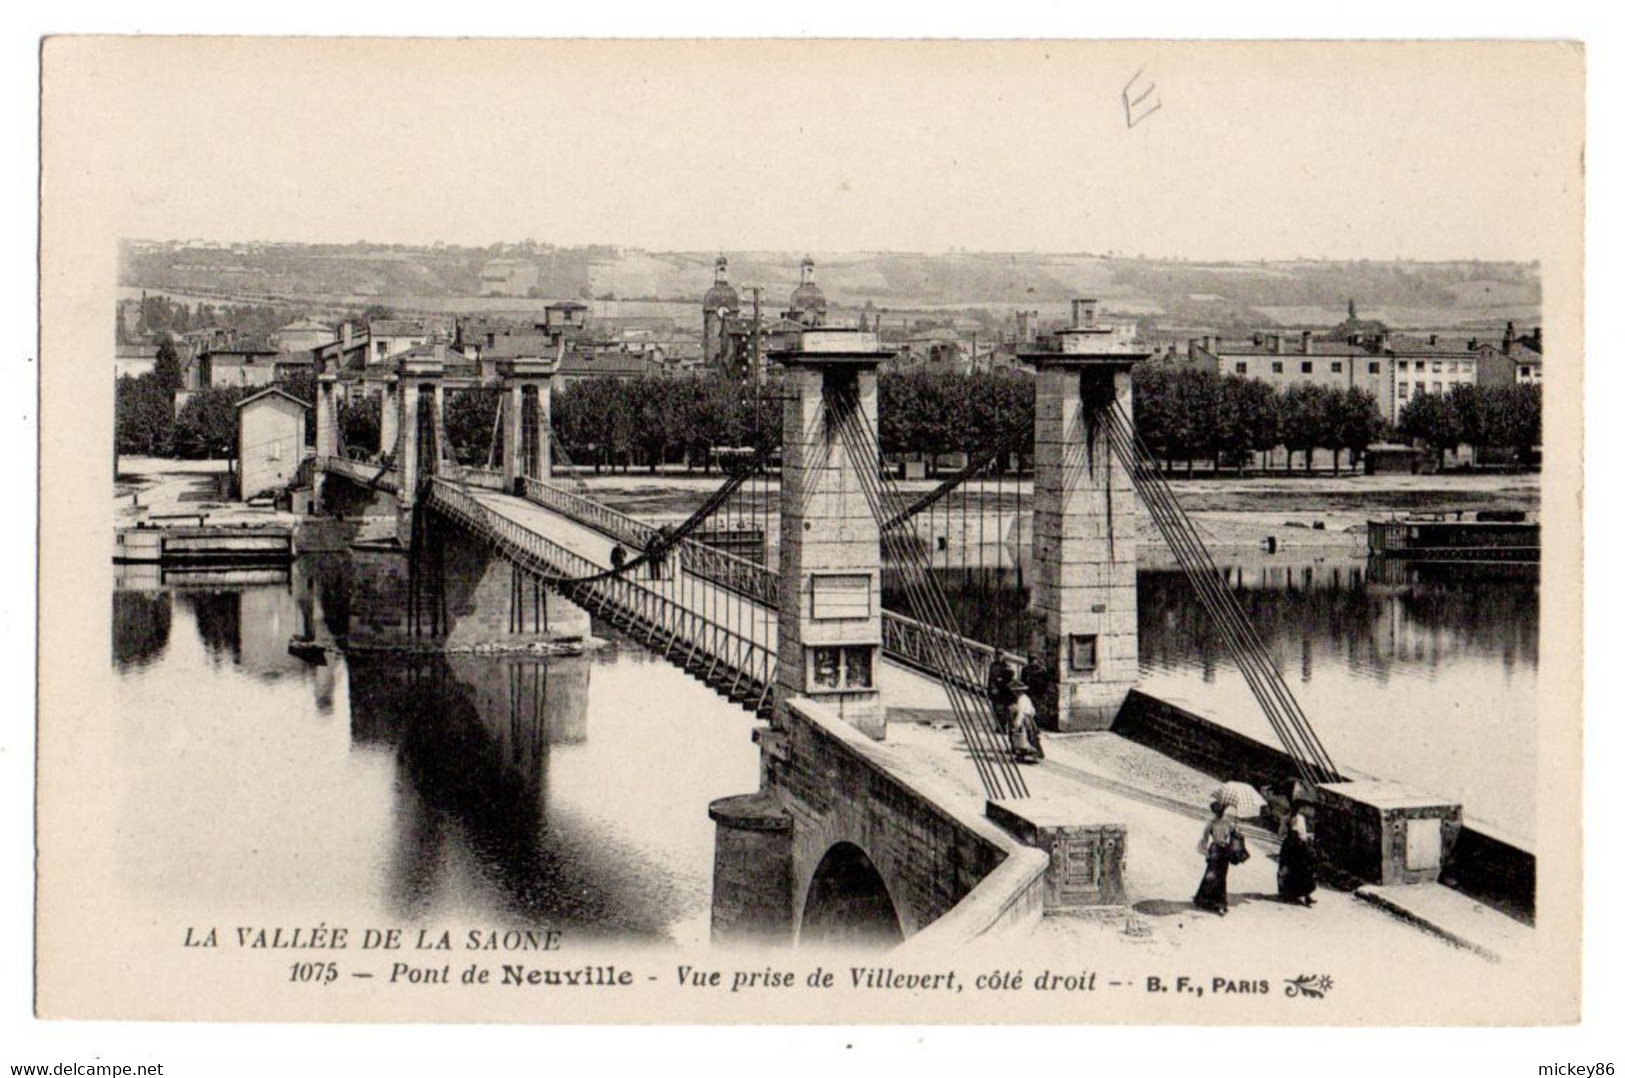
(1312, 516)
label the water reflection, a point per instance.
(1343, 615)
(140, 627)
(469, 789)
(474, 741)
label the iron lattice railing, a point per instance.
(612, 522)
(368, 475)
(921, 646)
(740, 667)
(909, 641)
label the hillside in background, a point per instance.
(1167, 296)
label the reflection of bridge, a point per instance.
(843, 841)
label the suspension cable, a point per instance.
(1258, 669)
(973, 712)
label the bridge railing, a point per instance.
(750, 579)
(483, 478)
(922, 646)
(741, 665)
(371, 475)
(912, 642)
(753, 580)
(612, 522)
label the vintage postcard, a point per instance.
(810, 531)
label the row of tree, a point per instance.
(1189, 414)
(1184, 414)
(147, 423)
(1503, 417)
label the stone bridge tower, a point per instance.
(1085, 639)
(829, 554)
(419, 402)
(527, 418)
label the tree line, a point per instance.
(147, 423)
(1185, 415)
(1505, 417)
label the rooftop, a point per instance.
(399, 327)
(587, 363)
(272, 391)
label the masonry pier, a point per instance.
(1085, 637)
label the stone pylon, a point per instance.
(1085, 638)
(527, 411)
(829, 553)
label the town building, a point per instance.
(389, 337)
(304, 335)
(368, 349)
(270, 441)
(1285, 360)
(565, 319)
(602, 360)
(1430, 365)
(134, 360)
(938, 347)
(235, 365)
(719, 306)
(1517, 362)
(729, 336)
(807, 303)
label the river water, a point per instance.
(461, 790)
(572, 791)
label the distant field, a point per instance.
(1408, 317)
(1407, 295)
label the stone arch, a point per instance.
(848, 903)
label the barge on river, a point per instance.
(1485, 536)
(205, 543)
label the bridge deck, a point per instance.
(900, 686)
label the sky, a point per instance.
(1257, 151)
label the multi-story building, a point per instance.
(371, 348)
(1283, 361)
(1430, 365)
(304, 335)
(1517, 362)
(238, 365)
(565, 319)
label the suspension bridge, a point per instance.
(841, 826)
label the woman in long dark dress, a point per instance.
(1295, 874)
(1023, 728)
(1213, 894)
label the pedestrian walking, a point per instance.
(617, 557)
(1024, 743)
(656, 550)
(1295, 874)
(1001, 678)
(1219, 845)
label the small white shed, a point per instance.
(270, 440)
